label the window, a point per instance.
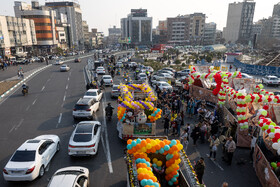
(82, 137)
(81, 180)
(23, 156)
(62, 34)
(43, 148)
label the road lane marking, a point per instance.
(107, 140)
(34, 101)
(66, 87)
(59, 120)
(216, 163)
(43, 88)
(12, 129)
(68, 78)
(27, 108)
(21, 121)
(64, 97)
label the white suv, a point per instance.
(107, 79)
(85, 108)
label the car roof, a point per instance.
(31, 144)
(162, 82)
(84, 101)
(100, 67)
(92, 90)
(271, 76)
(106, 76)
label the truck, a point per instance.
(133, 129)
(187, 176)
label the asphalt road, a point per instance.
(38, 113)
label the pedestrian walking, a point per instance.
(195, 134)
(203, 130)
(199, 169)
(178, 123)
(184, 138)
(188, 127)
(214, 143)
(230, 146)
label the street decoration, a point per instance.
(140, 148)
(242, 98)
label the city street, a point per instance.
(45, 111)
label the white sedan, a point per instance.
(94, 94)
(100, 70)
(58, 62)
(271, 80)
(107, 79)
(163, 85)
(246, 76)
(85, 138)
(31, 158)
(64, 67)
(70, 176)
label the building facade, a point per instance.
(178, 30)
(162, 29)
(240, 22)
(86, 35)
(73, 13)
(138, 27)
(17, 36)
(44, 19)
(114, 36)
(196, 29)
(209, 34)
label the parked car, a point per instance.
(107, 79)
(271, 80)
(166, 71)
(94, 94)
(77, 60)
(169, 69)
(85, 107)
(100, 70)
(163, 85)
(142, 76)
(164, 75)
(58, 62)
(64, 67)
(184, 72)
(70, 176)
(30, 160)
(115, 91)
(85, 138)
(246, 76)
(132, 64)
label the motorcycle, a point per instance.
(24, 91)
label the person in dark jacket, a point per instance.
(166, 122)
(199, 169)
(195, 134)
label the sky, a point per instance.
(102, 14)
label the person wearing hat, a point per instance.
(199, 169)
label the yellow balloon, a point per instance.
(153, 142)
(159, 163)
(155, 160)
(149, 146)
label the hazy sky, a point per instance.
(102, 14)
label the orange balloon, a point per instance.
(129, 141)
(146, 176)
(178, 141)
(162, 144)
(157, 147)
(138, 146)
(153, 150)
(143, 143)
(154, 179)
(148, 140)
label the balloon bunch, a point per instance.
(157, 164)
(155, 115)
(140, 147)
(144, 88)
(241, 111)
(121, 113)
(173, 117)
(275, 165)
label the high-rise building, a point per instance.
(96, 38)
(86, 35)
(162, 29)
(209, 34)
(73, 13)
(240, 22)
(114, 36)
(138, 27)
(44, 19)
(17, 36)
(178, 30)
(196, 29)
(276, 10)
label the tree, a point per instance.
(59, 51)
(177, 62)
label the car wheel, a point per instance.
(57, 147)
(41, 171)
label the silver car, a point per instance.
(115, 91)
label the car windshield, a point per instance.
(107, 78)
(69, 172)
(82, 137)
(24, 156)
(142, 75)
(81, 107)
(84, 128)
(165, 84)
(91, 94)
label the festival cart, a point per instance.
(156, 162)
(136, 111)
